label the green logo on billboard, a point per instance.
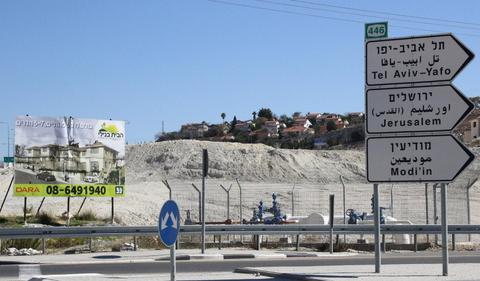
(109, 131)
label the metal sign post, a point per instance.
(376, 216)
(331, 219)
(205, 172)
(444, 230)
(168, 228)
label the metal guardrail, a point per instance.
(288, 229)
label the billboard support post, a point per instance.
(113, 210)
(68, 211)
(81, 206)
(40, 207)
(25, 210)
(6, 194)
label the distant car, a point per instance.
(46, 176)
(90, 179)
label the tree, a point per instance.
(254, 115)
(233, 123)
(331, 126)
(266, 113)
(223, 115)
(287, 120)
(296, 114)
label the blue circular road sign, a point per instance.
(169, 223)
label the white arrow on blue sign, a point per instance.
(169, 223)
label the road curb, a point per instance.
(274, 274)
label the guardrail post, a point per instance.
(453, 242)
(415, 245)
(297, 246)
(384, 249)
(43, 246)
(135, 243)
(258, 240)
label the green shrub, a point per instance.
(88, 215)
(47, 219)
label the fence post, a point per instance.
(228, 199)
(199, 202)
(241, 210)
(165, 182)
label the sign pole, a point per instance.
(376, 216)
(331, 220)
(173, 263)
(444, 230)
(168, 228)
(205, 172)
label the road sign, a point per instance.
(376, 30)
(438, 158)
(169, 223)
(8, 159)
(415, 109)
(415, 59)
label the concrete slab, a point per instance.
(206, 257)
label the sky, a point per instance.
(182, 61)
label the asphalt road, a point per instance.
(12, 271)
(23, 177)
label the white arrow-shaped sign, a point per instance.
(416, 159)
(174, 221)
(164, 220)
(415, 59)
(415, 109)
(163, 223)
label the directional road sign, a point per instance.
(439, 158)
(8, 159)
(415, 109)
(169, 223)
(415, 59)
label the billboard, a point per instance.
(68, 156)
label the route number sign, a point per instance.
(376, 30)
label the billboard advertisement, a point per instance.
(68, 156)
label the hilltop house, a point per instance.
(194, 130)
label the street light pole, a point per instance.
(8, 137)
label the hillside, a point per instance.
(248, 162)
